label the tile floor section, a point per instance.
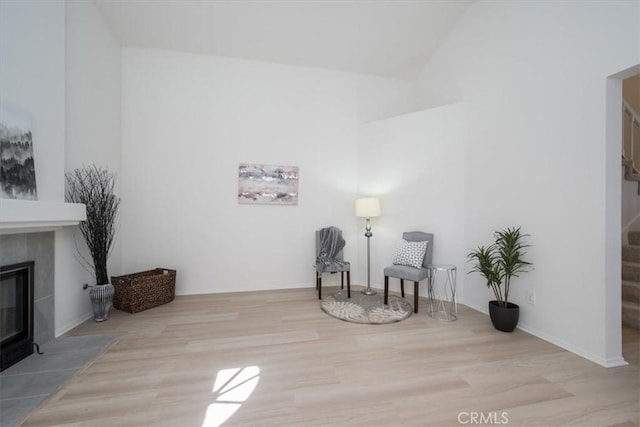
(24, 385)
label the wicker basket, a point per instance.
(141, 291)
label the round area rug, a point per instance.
(361, 308)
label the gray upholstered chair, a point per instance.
(405, 272)
(340, 266)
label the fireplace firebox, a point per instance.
(16, 313)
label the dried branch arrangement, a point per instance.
(94, 187)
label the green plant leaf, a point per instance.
(501, 261)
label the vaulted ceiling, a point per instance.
(384, 37)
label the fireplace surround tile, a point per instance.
(38, 247)
(24, 385)
(43, 314)
(13, 248)
(15, 409)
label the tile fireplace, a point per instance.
(35, 251)
(28, 234)
(16, 312)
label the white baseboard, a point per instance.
(607, 363)
(69, 326)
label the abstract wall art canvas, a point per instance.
(17, 169)
(266, 184)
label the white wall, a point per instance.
(93, 88)
(60, 64)
(413, 163)
(32, 80)
(533, 75)
(189, 120)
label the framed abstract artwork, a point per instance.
(17, 168)
(267, 184)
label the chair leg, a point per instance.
(316, 280)
(415, 296)
(320, 286)
(402, 287)
(348, 284)
(386, 290)
(342, 280)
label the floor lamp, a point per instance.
(368, 208)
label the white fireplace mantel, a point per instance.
(27, 216)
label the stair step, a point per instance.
(631, 314)
(631, 291)
(634, 237)
(631, 173)
(630, 176)
(631, 253)
(631, 271)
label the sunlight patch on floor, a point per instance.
(233, 387)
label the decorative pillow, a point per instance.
(410, 253)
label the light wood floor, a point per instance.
(315, 370)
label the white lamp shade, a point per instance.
(368, 207)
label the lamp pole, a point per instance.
(368, 235)
(368, 207)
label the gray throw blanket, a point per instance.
(331, 243)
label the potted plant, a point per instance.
(94, 187)
(499, 263)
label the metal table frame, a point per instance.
(442, 304)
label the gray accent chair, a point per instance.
(405, 272)
(334, 270)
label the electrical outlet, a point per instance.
(531, 297)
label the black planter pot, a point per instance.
(504, 318)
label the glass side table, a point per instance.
(442, 292)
